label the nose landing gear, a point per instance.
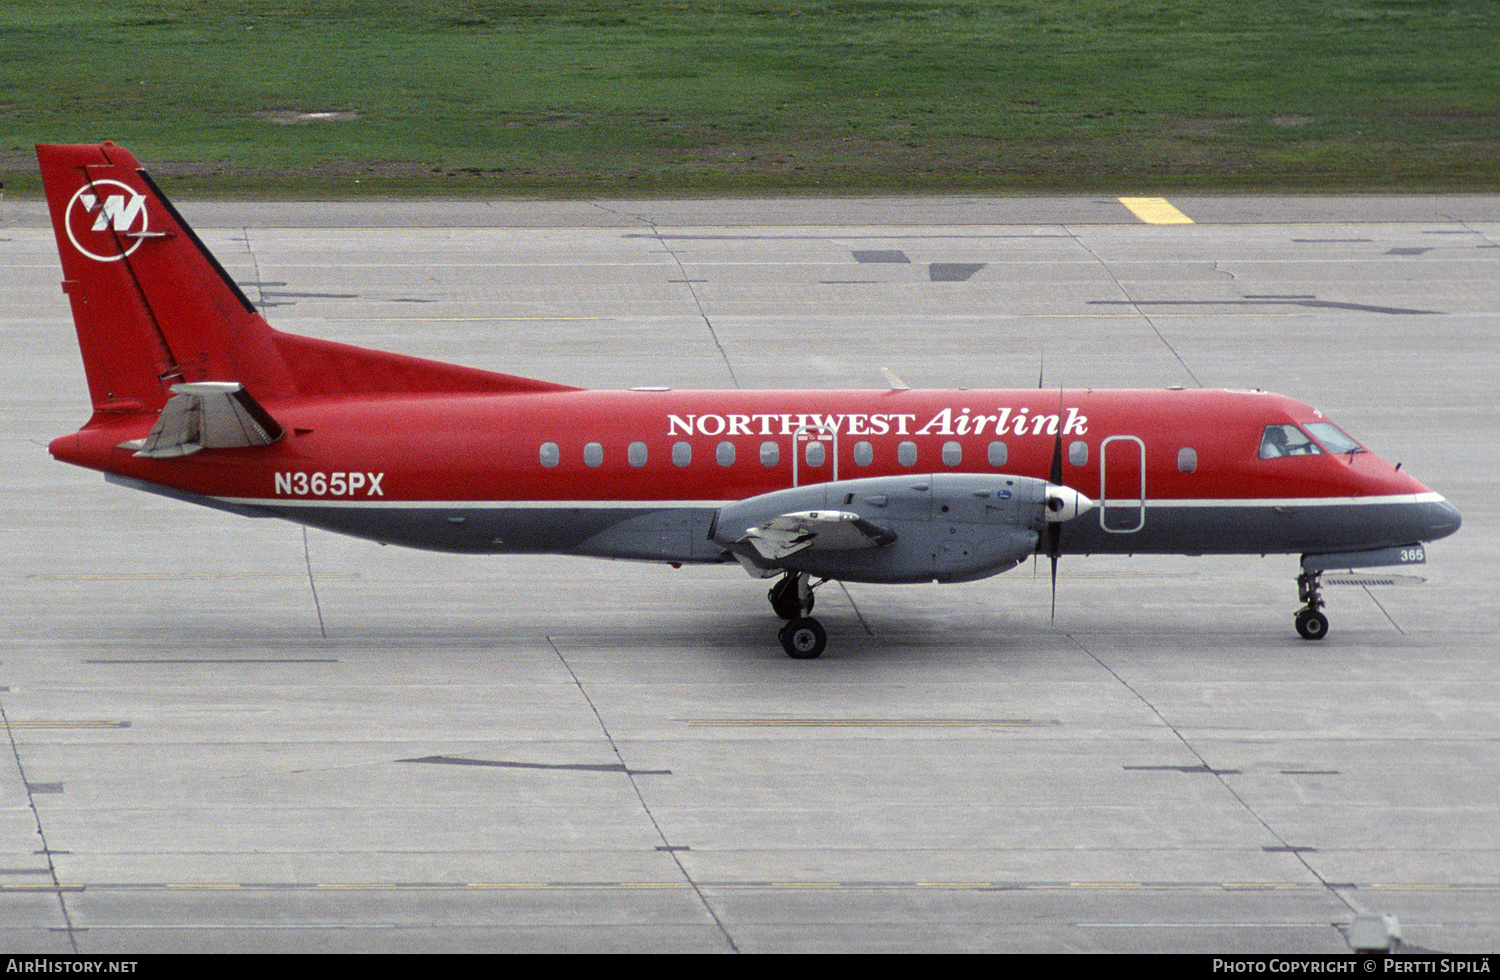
(802, 637)
(1311, 623)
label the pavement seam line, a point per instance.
(41, 832)
(1331, 887)
(667, 846)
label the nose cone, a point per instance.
(1431, 515)
(1424, 514)
(1065, 503)
(1439, 517)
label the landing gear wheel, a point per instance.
(803, 638)
(1311, 624)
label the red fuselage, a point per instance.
(1173, 470)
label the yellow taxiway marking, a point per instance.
(64, 724)
(766, 885)
(217, 885)
(1135, 316)
(860, 722)
(459, 319)
(176, 576)
(1155, 211)
(769, 885)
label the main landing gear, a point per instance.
(802, 637)
(1311, 624)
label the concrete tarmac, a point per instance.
(232, 734)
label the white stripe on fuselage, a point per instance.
(1256, 503)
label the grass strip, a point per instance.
(352, 97)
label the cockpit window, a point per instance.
(1286, 440)
(1334, 439)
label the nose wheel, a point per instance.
(803, 637)
(1311, 624)
(1310, 621)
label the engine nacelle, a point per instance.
(943, 527)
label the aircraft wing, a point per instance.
(208, 415)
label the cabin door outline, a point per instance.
(1124, 510)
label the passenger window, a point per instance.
(682, 453)
(724, 453)
(770, 454)
(864, 453)
(1078, 452)
(593, 454)
(998, 453)
(1286, 440)
(953, 453)
(906, 453)
(815, 453)
(1187, 460)
(551, 455)
(636, 454)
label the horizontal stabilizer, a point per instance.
(820, 530)
(208, 415)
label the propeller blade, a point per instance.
(1055, 477)
(1053, 531)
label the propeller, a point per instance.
(1054, 527)
(1063, 504)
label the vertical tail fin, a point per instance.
(152, 306)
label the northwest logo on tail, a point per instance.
(98, 220)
